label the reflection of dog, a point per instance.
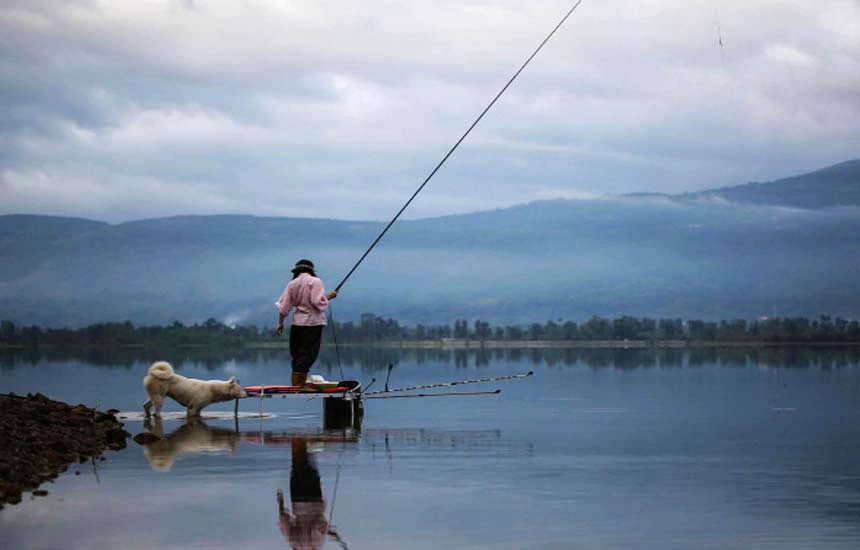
(192, 438)
(194, 394)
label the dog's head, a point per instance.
(235, 388)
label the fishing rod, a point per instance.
(440, 394)
(448, 384)
(457, 144)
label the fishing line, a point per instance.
(717, 19)
(457, 144)
(331, 530)
(334, 337)
(720, 42)
(334, 494)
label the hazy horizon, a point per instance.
(605, 197)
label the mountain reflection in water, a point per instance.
(305, 521)
(729, 449)
(373, 359)
(303, 524)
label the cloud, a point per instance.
(119, 110)
(787, 54)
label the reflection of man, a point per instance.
(306, 527)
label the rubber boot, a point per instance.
(299, 379)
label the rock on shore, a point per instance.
(40, 438)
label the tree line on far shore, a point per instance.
(373, 329)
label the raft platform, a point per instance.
(343, 406)
(343, 401)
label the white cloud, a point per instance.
(120, 110)
(787, 54)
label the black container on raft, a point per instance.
(340, 413)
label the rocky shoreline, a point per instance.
(40, 438)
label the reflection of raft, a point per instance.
(287, 438)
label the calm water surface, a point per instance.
(597, 450)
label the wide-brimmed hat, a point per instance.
(304, 266)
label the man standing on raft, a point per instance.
(305, 293)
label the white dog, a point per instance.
(193, 394)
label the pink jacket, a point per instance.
(307, 295)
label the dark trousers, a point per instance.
(305, 346)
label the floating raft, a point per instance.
(329, 388)
(343, 401)
(255, 391)
(342, 405)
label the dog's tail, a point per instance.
(161, 370)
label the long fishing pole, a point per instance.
(457, 144)
(447, 384)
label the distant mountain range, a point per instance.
(787, 247)
(837, 185)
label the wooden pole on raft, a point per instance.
(262, 392)
(440, 394)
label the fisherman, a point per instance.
(306, 294)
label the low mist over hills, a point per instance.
(837, 185)
(726, 253)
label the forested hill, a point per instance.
(570, 259)
(837, 185)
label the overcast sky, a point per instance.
(118, 110)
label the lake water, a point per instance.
(600, 449)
